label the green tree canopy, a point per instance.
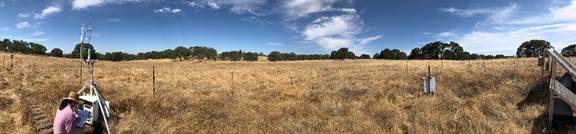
(182, 52)
(4, 44)
(56, 52)
(19, 46)
(274, 56)
(232, 55)
(393, 54)
(570, 50)
(440, 50)
(202, 52)
(85, 47)
(415, 53)
(453, 51)
(364, 56)
(118, 56)
(37, 49)
(533, 48)
(278, 56)
(342, 53)
(250, 56)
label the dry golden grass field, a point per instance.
(359, 96)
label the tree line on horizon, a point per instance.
(180, 53)
(431, 51)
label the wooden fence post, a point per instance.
(429, 72)
(33, 72)
(153, 81)
(442, 65)
(483, 66)
(551, 89)
(232, 79)
(515, 62)
(21, 77)
(427, 81)
(11, 62)
(291, 79)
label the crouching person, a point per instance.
(65, 119)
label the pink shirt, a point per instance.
(64, 121)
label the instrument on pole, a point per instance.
(94, 108)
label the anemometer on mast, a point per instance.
(85, 37)
(94, 108)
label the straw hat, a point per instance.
(73, 96)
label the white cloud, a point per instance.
(24, 15)
(176, 10)
(295, 9)
(23, 25)
(504, 30)
(444, 34)
(38, 33)
(369, 39)
(502, 15)
(290, 9)
(257, 20)
(247, 6)
(46, 12)
(335, 24)
(558, 14)
(336, 32)
(236, 6)
(494, 15)
(213, 5)
(333, 43)
(566, 13)
(440, 36)
(276, 44)
(506, 41)
(343, 26)
(168, 10)
(82, 4)
(204, 4)
(348, 10)
(5, 29)
(115, 20)
(2, 4)
(466, 12)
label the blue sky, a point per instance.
(301, 26)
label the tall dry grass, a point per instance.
(360, 96)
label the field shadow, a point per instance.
(537, 95)
(560, 125)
